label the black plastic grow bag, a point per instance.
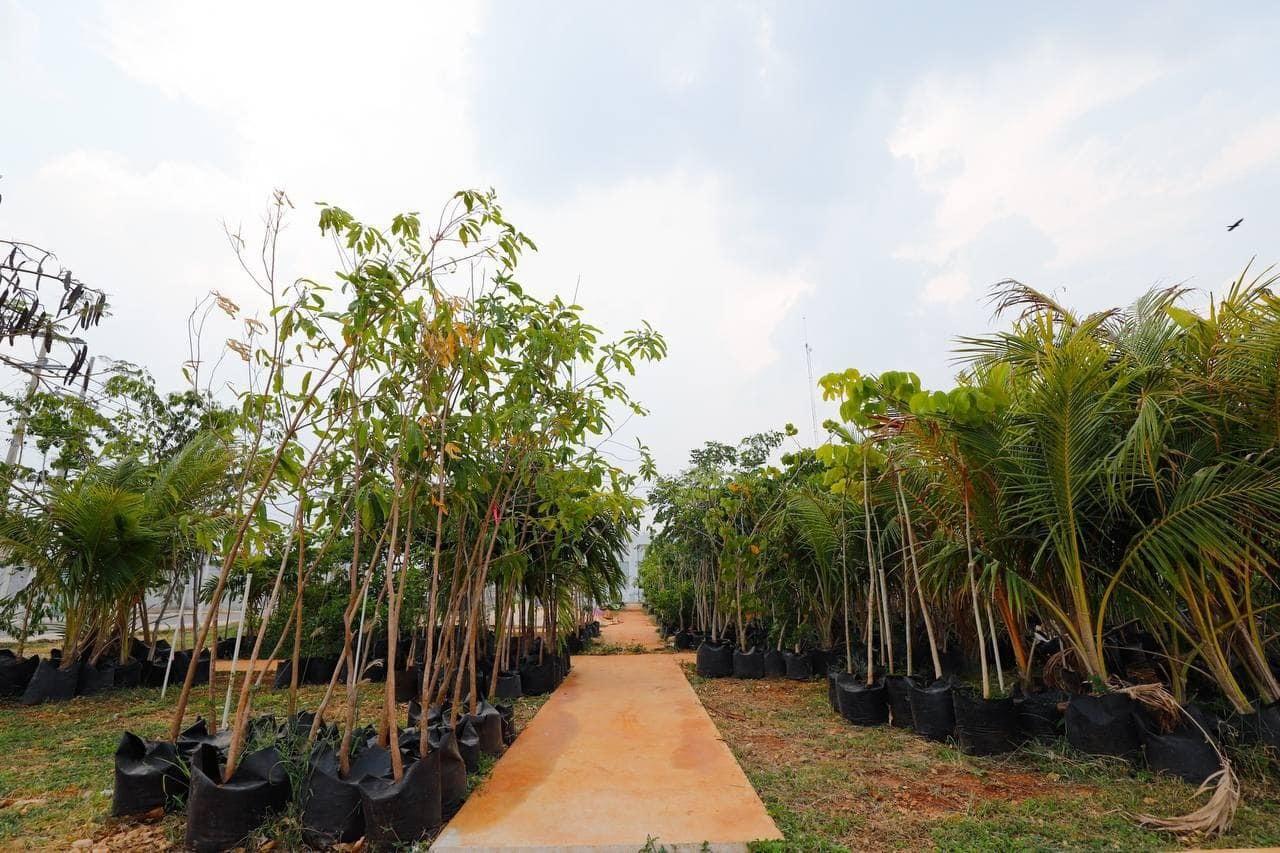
(820, 660)
(284, 673)
(538, 678)
(372, 760)
(1040, 715)
(128, 674)
(197, 735)
(715, 660)
(509, 686)
(415, 714)
(51, 683)
(181, 662)
(488, 725)
(748, 664)
(932, 713)
(897, 689)
(310, 671)
(984, 726)
(202, 670)
(15, 673)
(1262, 726)
(299, 726)
(400, 813)
(220, 817)
(799, 666)
(148, 774)
(1103, 725)
(96, 679)
(331, 810)
(319, 670)
(860, 704)
(508, 715)
(153, 671)
(407, 686)
(775, 664)
(684, 640)
(1186, 752)
(468, 743)
(452, 769)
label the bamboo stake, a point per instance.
(235, 654)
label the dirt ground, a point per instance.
(833, 786)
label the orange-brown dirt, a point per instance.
(889, 784)
(630, 627)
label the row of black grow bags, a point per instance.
(35, 680)
(366, 802)
(940, 711)
(1114, 724)
(722, 659)
(1110, 724)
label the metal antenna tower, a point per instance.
(808, 363)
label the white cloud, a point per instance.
(366, 109)
(1002, 143)
(326, 99)
(655, 249)
(1244, 151)
(371, 111)
(947, 287)
(149, 237)
(1082, 147)
(18, 29)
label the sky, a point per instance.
(740, 175)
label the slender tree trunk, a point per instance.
(915, 570)
(973, 591)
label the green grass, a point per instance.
(831, 786)
(597, 647)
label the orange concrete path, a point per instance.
(622, 752)
(630, 627)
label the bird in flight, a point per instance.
(1234, 225)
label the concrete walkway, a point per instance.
(622, 752)
(631, 627)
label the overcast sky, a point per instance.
(726, 171)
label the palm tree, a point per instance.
(100, 541)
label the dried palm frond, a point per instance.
(1215, 816)
(1056, 672)
(1164, 709)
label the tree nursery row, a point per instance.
(405, 490)
(1077, 540)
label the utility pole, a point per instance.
(808, 361)
(20, 431)
(11, 459)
